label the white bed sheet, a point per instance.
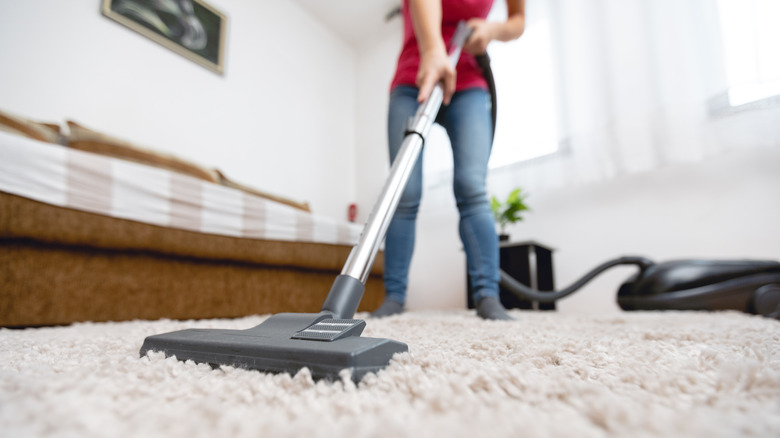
(94, 183)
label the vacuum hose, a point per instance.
(507, 281)
(526, 292)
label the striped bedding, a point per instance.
(66, 177)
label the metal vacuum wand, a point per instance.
(362, 256)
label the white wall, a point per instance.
(282, 118)
(375, 67)
(724, 207)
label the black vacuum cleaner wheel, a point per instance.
(766, 301)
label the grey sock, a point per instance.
(491, 308)
(389, 307)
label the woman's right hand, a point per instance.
(435, 67)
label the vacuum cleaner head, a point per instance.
(284, 343)
(747, 285)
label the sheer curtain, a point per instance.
(636, 84)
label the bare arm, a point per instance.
(485, 32)
(434, 62)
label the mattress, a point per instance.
(66, 177)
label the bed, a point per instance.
(93, 228)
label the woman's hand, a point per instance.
(482, 34)
(434, 67)
(434, 61)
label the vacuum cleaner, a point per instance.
(751, 286)
(328, 342)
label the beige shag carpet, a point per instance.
(544, 375)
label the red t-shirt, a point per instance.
(453, 11)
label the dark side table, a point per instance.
(529, 263)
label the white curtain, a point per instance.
(638, 83)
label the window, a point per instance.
(527, 115)
(751, 42)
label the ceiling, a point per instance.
(356, 21)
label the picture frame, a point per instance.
(192, 28)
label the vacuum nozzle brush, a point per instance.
(284, 343)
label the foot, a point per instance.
(491, 308)
(389, 307)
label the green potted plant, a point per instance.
(510, 211)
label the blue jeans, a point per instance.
(469, 126)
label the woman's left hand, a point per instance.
(486, 31)
(481, 36)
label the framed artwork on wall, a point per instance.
(191, 28)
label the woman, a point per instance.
(428, 28)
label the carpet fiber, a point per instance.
(543, 375)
